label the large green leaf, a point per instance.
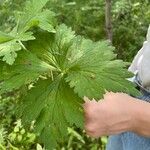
(87, 67)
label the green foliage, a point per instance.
(20, 137)
(12, 133)
(12, 42)
(85, 17)
(26, 69)
(130, 23)
(55, 68)
(130, 20)
(82, 141)
(33, 15)
(13, 130)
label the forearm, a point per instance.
(141, 120)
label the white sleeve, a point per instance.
(134, 65)
(141, 62)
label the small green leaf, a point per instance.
(8, 51)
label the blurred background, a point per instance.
(123, 22)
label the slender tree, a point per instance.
(108, 20)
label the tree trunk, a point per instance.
(108, 20)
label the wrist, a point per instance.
(140, 114)
(134, 114)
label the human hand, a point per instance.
(112, 115)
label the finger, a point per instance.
(93, 135)
(91, 131)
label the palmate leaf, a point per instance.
(71, 67)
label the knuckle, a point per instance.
(90, 129)
(91, 134)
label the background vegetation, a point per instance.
(130, 20)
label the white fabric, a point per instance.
(141, 63)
